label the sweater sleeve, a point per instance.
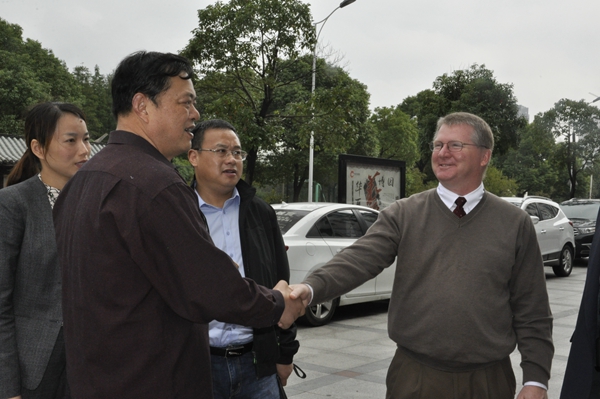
(532, 318)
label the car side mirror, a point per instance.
(535, 219)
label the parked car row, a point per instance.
(315, 232)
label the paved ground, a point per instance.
(349, 357)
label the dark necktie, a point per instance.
(459, 210)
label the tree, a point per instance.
(533, 164)
(29, 74)
(495, 182)
(243, 45)
(96, 100)
(473, 90)
(577, 126)
(340, 125)
(396, 134)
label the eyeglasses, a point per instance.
(453, 146)
(238, 155)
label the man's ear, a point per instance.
(193, 157)
(37, 149)
(139, 105)
(487, 157)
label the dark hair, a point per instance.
(202, 127)
(40, 124)
(147, 73)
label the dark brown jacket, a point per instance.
(139, 269)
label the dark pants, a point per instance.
(54, 382)
(409, 379)
(235, 377)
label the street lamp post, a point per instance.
(311, 153)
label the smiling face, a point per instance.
(216, 177)
(68, 150)
(172, 117)
(460, 172)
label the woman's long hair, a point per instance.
(40, 124)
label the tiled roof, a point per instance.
(12, 147)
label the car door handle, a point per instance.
(561, 228)
(542, 231)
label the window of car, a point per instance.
(369, 217)
(286, 218)
(339, 224)
(581, 210)
(532, 210)
(547, 211)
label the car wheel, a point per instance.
(321, 313)
(565, 262)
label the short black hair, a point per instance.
(147, 73)
(202, 127)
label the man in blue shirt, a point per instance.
(245, 361)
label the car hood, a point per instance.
(583, 222)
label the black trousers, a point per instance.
(409, 379)
(54, 382)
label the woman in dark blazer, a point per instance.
(32, 353)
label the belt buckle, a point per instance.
(234, 351)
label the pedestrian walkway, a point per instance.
(349, 357)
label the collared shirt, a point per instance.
(448, 197)
(224, 228)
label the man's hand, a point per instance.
(284, 371)
(301, 291)
(294, 308)
(532, 392)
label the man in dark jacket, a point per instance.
(245, 361)
(582, 376)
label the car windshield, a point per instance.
(286, 218)
(581, 211)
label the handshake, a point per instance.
(297, 297)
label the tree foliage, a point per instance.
(96, 100)
(533, 164)
(577, 126)
(241, 47)
(30, 74)
(397, 135)
(473, 90)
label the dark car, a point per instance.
(583, 213)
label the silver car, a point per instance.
(554, 231)
(313, 234)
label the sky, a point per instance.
(547, 49)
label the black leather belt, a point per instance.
(231, 351)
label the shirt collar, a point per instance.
(473, 198)
(235, 198)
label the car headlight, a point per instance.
(587, 230)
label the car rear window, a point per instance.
(286, 218)
(581, 211)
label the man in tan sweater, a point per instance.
(469, 284)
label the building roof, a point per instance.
(13, 147)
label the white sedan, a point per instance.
(313, 234)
